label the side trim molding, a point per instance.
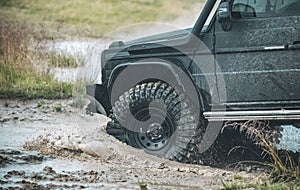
(253, 115)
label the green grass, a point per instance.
(64, 61)
(57, 108)
(237, 177)
(23, 82)
(19, 78)
(142, 185)
(92, 18)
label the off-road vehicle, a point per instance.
(241, 61)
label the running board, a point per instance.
(253, 115)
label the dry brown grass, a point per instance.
(285, 169)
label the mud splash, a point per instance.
(290, 138)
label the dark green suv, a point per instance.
(169, 94)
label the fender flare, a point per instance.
(156, 71)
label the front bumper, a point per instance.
(99, 103)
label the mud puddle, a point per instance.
(27, 169)
(42, 147)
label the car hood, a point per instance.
(154, 38)
(160, 37)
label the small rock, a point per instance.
(146, 163)
(95, 148)
(3, 120)
(193, 171)
(7, 176)
(93, 172)
(49, 170)
(162, 166)
(249, 169)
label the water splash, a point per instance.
(290, 139)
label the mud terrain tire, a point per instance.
(175, 138)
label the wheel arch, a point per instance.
(151, 71)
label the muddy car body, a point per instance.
(241, 59)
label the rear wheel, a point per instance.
(154, 117)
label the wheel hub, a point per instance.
(156, 134)
(155, 138)
(155, 131)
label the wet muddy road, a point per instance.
(49, 144)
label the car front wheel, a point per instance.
(154, 117)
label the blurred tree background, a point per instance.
(91, 18)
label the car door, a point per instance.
(259, 55)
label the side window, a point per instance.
(265, 8)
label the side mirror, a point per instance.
(224, 16)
